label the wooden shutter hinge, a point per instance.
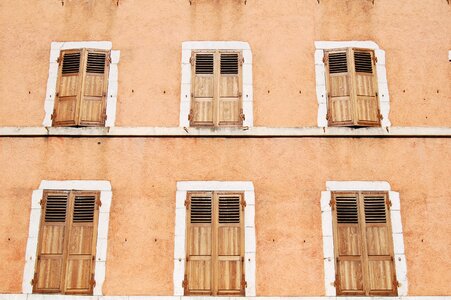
(34, 281)
(243, 203)
(92, 282)
(379, 114)
(243, 282)
(185, 282)
(241, 61)
(389, 204)
(191, 60)
(332, 205)
(190, 115)
(187, 202)
(42, 202)
(375, 59)
(396, 283)
(242, 115)
(98, 203)
(59, 59)
(325, 58)
(327, 116)
(105, 116)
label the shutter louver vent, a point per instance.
(55, 208)
(229, 209)
(347, 210)
(229, 64)
(338, 63)
(363, 62)
(204, 63)
(200, 209)
(71, 63)
(374, 209)
(84, 207)
(96, 63)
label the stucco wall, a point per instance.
(414, 34)
(288, 175)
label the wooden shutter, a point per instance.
(95, 83)
(82, 243)
(68, 88)
(199, 244)
(229, 245)
(203, 89)
(365, 82)
(229, 98)
(50, 253)
(348, 245)
(339, 88)
(379, 245)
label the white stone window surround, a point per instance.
(321, 91)
(102, 233)
(111, 98)
(327, 230)
(183, 187)
(247, 98)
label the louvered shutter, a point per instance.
(229, 102)
(51, 245)
(230, 248)
(68, 88)
(381, 271)
(339, 88)
(95, 83)
(367, 103)
(348, 244)
(199, 244)
(82, 243)
(203, 91)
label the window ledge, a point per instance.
(227, 132)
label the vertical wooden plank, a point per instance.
(203, 89)
(229, 91)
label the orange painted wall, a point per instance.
(288, 175)
(415, 35)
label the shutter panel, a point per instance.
(199, 244)
(230, 250)
(348, 245)
(95, 84)
(203, 82)
(381, 271)
(68, 88)
(367, 103)
(50, 262)
(340, 111)
(229, 102)
(82, 243)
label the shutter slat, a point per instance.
(71, 63)
(363, 62)
(338, 63)
(200, 209)
(375, 209)
(229, 63)
(84, 207)
(55, 208)
(96, 63)
(204, 63)
(347, 212)
(229, 209)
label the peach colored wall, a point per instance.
(288, 175)
(415, 34)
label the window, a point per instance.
(215, 244)
(351, 88)
(81, 88)
(67, 239)
(216, 88)
(363, 245)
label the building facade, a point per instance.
(240, 148)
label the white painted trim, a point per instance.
(449, 55)
(111, 100)
(247, 88)
(183, 187)
(320, 70)
(102, 236)
(327, 231)
(218, 132)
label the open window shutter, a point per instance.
(95, 84)
(381, 271)
(199, 244)
(348, 245)
(340, 111)
(230, 248)
(229, 102)
(367, 103)
(50, 260)
(203, 82)
(82, 243)
(68, 88)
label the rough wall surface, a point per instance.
(288, 175)
(414, 34)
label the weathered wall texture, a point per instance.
(288, 175)
(415, 35)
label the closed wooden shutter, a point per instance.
(229, 108)
(363, 244)
(203, 89)
(339, 85)
(367, 103)
(70, 76)
(50, 257)
(95, 83)
(67, 243)
(215, 245)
